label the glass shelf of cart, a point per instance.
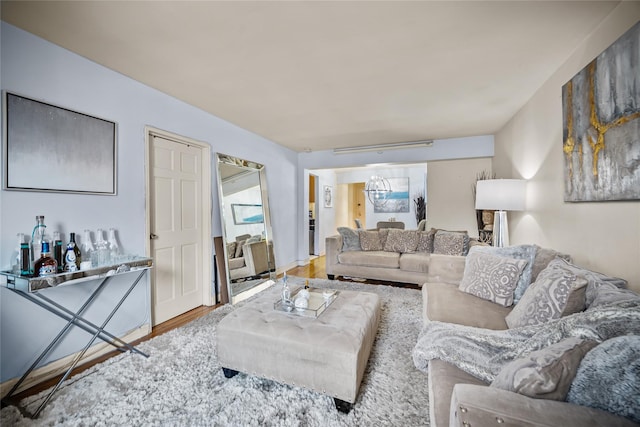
(33, 284)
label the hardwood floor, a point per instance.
(314, 270)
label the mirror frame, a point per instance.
(248, 165)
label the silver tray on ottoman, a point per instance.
(318, 303)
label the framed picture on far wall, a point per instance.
(397, 201)
(327, 196)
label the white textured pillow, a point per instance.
(491, 277)
(556, 293)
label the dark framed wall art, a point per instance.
(53, 149)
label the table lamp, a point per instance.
(501, 195)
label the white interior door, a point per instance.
(176, 227)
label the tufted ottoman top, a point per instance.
(327, 354)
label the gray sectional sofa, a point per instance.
(462, 330)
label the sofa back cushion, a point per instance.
(402, 241)
(492, 277)
(543, 257)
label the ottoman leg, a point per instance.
(331, 276)
(229, 373)
(342, 406)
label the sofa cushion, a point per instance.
(608, 293)
(380, 259)
(594, 278)
(370, 241)
(425, 240)
(401, 241)
(555, 294)
(608, 378)
(543, 257)
(546, 373)
(444, 302)
(236, 263)
(525, 252)
(418, 262)
(350, 239)
(492, 277)
(451, 242)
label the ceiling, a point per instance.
(321, 75)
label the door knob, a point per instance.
(153, 236)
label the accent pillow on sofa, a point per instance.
(491, 277)
(451, 242)
(425, 240)
(608, 378)
(525, 252)
(231, 249)
(543, 257)
(556, 293)
(402, 241)
(350, 239)
(239, 248)
(546, 373)
(370, 241)
(594, 278)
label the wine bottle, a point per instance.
(45, 265)
(57, 250)
(72, 256)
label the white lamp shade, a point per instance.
(501, 194)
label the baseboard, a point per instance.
(59, 366)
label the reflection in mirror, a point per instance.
(246, 226)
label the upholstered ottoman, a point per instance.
(327, 354)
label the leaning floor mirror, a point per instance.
(246, 226)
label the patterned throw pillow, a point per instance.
(491, 277)
(525, 252)
(370, 241)
(402, 241)
(451, 242)
(556, 293)
(425, 241)
(350, 239)
(546, 373)
(608, 378)
(383, 233)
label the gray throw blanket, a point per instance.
(483, 352)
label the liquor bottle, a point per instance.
(72, 255)
(15, 255)
(45, 265)
(25, 261)
(37, 237)
(57, 250)
(88, 251)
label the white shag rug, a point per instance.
(182, 384)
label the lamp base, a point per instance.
(500, 229)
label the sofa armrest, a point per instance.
(474, 405)
(446, 268)
(255, 257)
(333, 247)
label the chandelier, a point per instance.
(377, 189)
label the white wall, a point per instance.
(450, 204)
(603, 236)
(40, 70)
